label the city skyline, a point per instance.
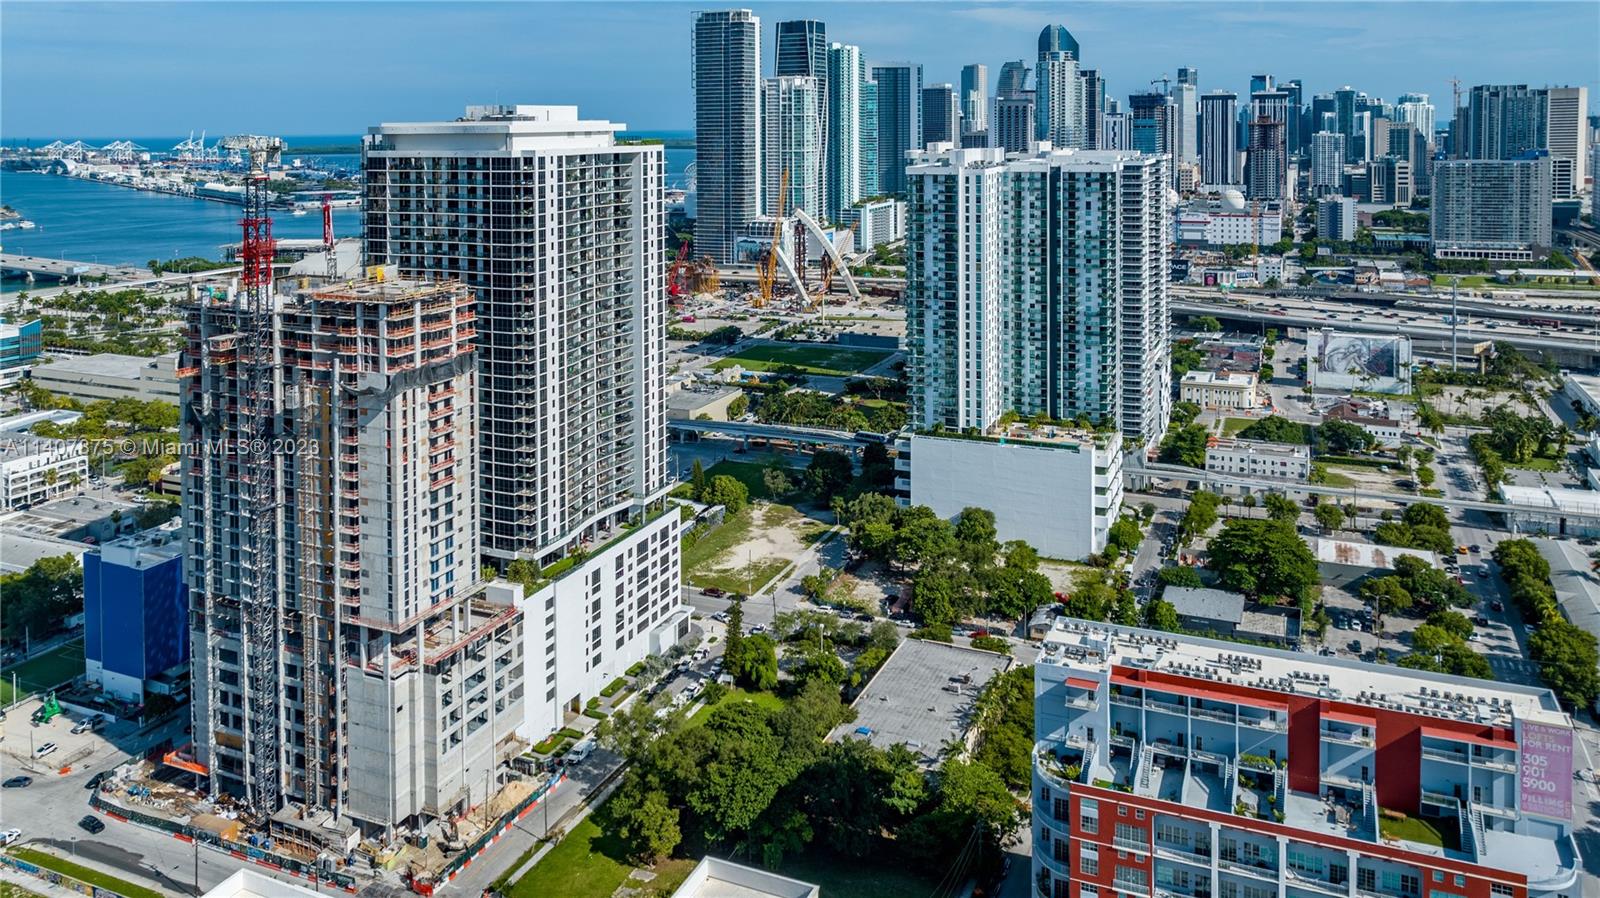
(66, 71)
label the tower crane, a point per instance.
(1164, 81)
(767, 271)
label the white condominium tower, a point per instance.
(793, 145)
(1566, 136)
(1059, 118)
(382, 680)
(848, 178)
(557, 228)
(725, 63)
(974, 98)
(1038, 285)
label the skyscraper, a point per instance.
(1327, 163)
(1294, 117)
(1059, 117)
(1566, 136)
(1094, 106)
(726, 53)
(802, 49)
(1345, 100)
(1056, 38)
(793, 149)
(899, 121)
(1013, 78)
(1013, 122)
(1219, 155)
(1040, 311)
(870, 184)
(1323, 114)
(571, 432)
(1260, 83)
(1186, 101)
(1416, 109)
(974, 98)
(1116, 131)
(1265, 166)
(941, 114)
(1505, 121)
(845, 154)
(1153, 122)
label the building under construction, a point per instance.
(347, 657)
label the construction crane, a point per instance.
(768, 269)
(678, 272)
(327, 236)
(252, 386)
(1164, 81)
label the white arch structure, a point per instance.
(833, 253)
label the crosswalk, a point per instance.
(1506, 665)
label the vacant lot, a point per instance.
(810, 358)
(749, 548)
(589, 863)
(46, 671)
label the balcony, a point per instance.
(1270, 724)
(1087, 701)
(1348, 737)
(1259, 869)
(1316, 884)
(1183, 853)
(1447, 755)
(1156, 704)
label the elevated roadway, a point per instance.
(751, 430)
(60, 269)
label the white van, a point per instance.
(45, 749)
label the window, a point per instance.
(1500, 890)
(1089, 816)
(1088, 859)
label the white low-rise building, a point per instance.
(1039, 482)
(34, 469)
(1215, 223)
(877, 221)
(1257, 458)
(90, 378)
(1219, 389)
(1553, 511)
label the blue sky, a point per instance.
(135, 69)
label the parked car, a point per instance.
(92, 823)
(1497, 606)
(714, 592)
(17, 782)
(9, 836)
(1355, 645)
(45, 749)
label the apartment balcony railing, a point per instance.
(1156, 704)
(1181, 853)
(1259, 869)
(1444, 754)
(1349, 737)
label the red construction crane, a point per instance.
(678, 272)
(327, 235)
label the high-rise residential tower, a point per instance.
(1013, 126)
(846, 182)
(1056, 38)
(1029, 308)
(1266, 167)
(1013, 78)
(974, 98)
(1504, 121)
(1219, 154)
(1153, 122)
(802, 50)
(941, 114)
(1327, 163)
(1416, 109)
(726, 68)
(1094, 107)
(571, 376)
(792, 150)
(1566, 136)
(391, 678)
(1186, 98)
(1497, 209)
(1060, 113)
(899, 121)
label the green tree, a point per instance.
(846, 796)
(697, 480)
(820, 663)
(776, 482)
(1453, 622)
(738, 406)
(1124, 535)
(921, 537)
(1199, 518)
(939, 594)
(1266, 374)
(1263, 558)
(1276, 429)
(1159, 614)
(1206, 324)
(1388, 594)
(1281, 508)
(1426, 476)
(829, 474)
(1184, 413)
(37, 599)
(1186, 446)
(728, 492)
(649, 824)
(740, 771)
(1330, 516)
(1179, 575)
(1339, 437)
(1568, 661)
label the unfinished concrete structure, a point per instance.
(390, 675)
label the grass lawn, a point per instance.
(1537, 463)
(842, 877)
(1334, 478)
(748, 473)
(43, 672)
(1416, 829)
(1231, 426)
(589, 863)
(811, 358)
(704, 561)
(1467, 280)
(735, 695)
(85, 874)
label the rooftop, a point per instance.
(250, 884)
(1230, 378)
(67, 514)
(108, 364)
(1211, 604)
(1367, 555)
(716, 878)
(381, 286)
(146, 548)
(1085, 644)
(14, 447)
(1553, 498)
(1259, 447)
(26, 420)
(922, 697)
(19, 551)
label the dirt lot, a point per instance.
(750, 548)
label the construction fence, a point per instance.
(490, 835)
(240, 850)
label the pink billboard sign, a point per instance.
(1546, 768)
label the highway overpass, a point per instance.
(750, 430)
(60, 269)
